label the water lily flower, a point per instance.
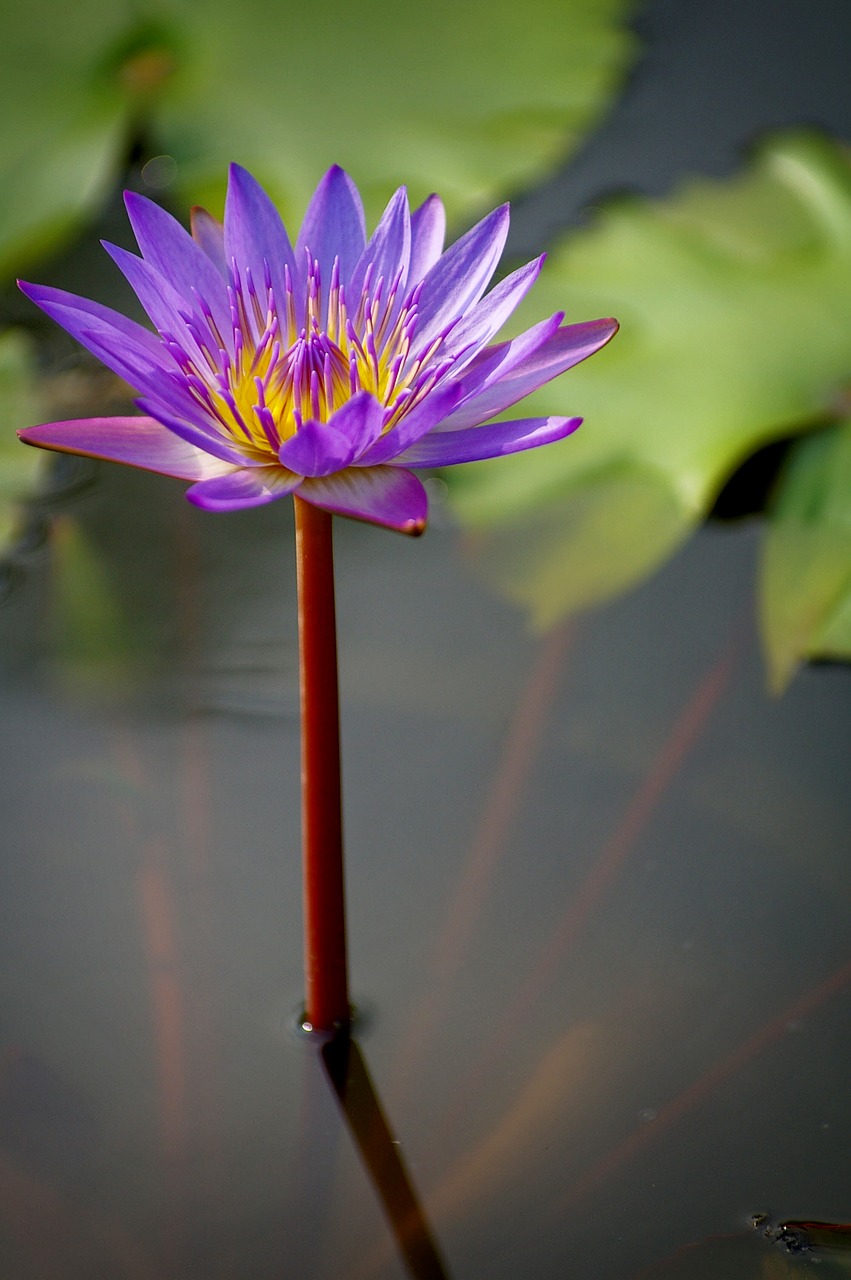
(327, 369)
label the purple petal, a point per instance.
(135, 354)
(433, 410)
(200, 432)
(138, 442)
(489, 365)
(76, 315)
(175, 256)
(255, 236)
(165, 306)
(320, 448)
(446, 448)
(389, 496)
(566, 348)
(251, 488)
(333, 227)
(388, 250)
(209, 233)
(485, 319)
(428, 231)
(316, 449)
(459, 278)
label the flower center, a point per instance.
(284, 367)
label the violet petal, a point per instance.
(255, 236)
(567, 347)
(320, 448)
(459, 278)
(165, 306)
(333, 227)
(77, 314)
(315, 450)
(424, 418)
(485, 319)
(389, 496)
(209, 234)
(492, 363)
(201, 433)
(428, 232)
(238, 489)
(446, 448)
(170, 250)
(388, 250)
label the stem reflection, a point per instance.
(381, 1155)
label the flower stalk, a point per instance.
(327, 1008)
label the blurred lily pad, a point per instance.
(69, 88)
(805, 590)
(93, 640)
(733, 299)
(470, 100)
(18, 470)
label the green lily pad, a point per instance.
(733, 299)
(470, 100)
(18, 470)
(94, 642)
(805, 589)
(611, 527)
(70, 88)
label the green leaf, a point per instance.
(470, 100)
(19, 466)
(70, 87)
(599, 536)
(805, 589)
(733, 299)
(96, 647)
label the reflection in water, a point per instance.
(799, 1236)
(523, 742)
(382, 1158)
(726, 1067)
(685, 732)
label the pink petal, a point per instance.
(137, 442)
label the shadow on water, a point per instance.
(382, 1158)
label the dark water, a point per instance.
(599, 898)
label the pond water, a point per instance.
(599, 887)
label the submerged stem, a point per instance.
(326, 981)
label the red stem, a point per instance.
(327, 1006)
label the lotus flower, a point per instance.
(328, 369)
